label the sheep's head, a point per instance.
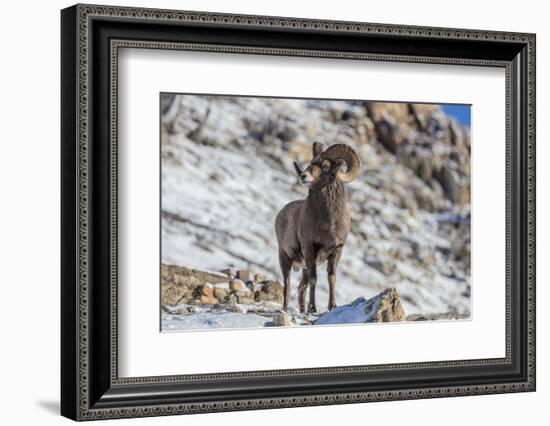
(326, 165)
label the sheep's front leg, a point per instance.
(333, 260)
(311, 267)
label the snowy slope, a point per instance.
(227, 171)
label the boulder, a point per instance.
(385, 307)
(210, 277)
(174, 294)
(178, 283)
(246, 299)
(261, 296)
(243, 275)
(173, 275)
(207, 290)
(280, 319)
(244, 293)
(272, 286)
(237, 285)
(257, 287)
(171, 295)
(205, 300)
(221, 293)
(272, 291)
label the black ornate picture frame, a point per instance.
(91, 387)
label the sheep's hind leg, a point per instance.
(302, 291)
(286, 264)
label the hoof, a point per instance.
(331, 307)
(311, 310)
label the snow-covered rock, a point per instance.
(221, 192)
(384, 307)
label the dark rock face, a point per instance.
(456, 188)
(429, 144)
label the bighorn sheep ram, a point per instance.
(314, 230)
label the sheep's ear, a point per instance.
(297, 169)
(318, 148)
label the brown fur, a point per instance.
(314, 230)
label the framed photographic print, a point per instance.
(263, 212)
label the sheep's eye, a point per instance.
(326, 165)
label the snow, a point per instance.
(220, 198)
(217, 320)
(355, 312)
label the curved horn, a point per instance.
(348, 154)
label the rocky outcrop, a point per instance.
(424, 140)
(182, 285)
(384, 307)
